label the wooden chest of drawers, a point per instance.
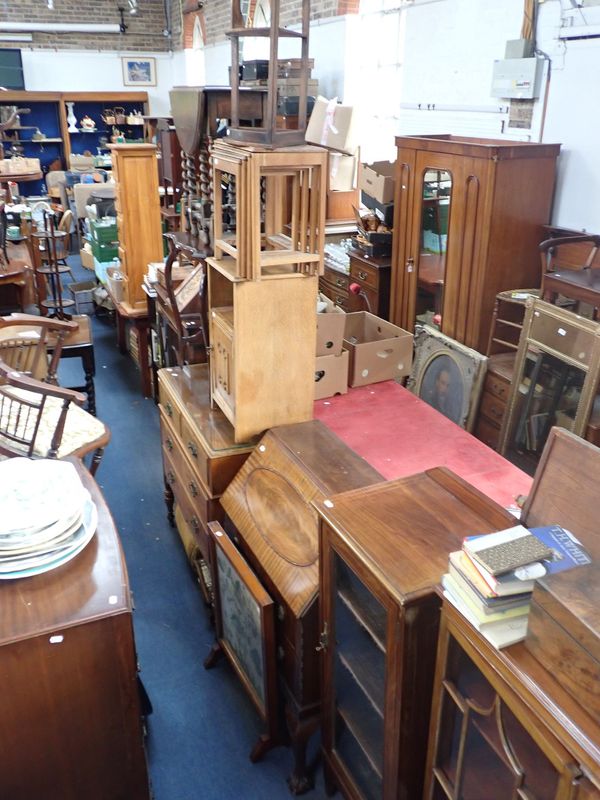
(493, 400)
(200, 458)
(372, 275)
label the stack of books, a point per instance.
(491, 579)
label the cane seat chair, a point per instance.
(24, 343)
(40, 420)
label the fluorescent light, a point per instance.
(16, 37)
(62, 27)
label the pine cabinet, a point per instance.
(467, 224)
(501, 721)
(135, 170)
(263, 338)
(383, 549)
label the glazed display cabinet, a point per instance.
(502, 727)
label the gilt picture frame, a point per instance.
(447, 375)
(138, 71)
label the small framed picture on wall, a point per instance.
(138, 71)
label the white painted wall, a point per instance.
(92, 71)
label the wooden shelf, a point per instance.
(283, 33)
(364, 618)
(353, 726)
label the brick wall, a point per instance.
(218, 14)
(144, 32)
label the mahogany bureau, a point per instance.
(371, 275)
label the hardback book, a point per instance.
(500, 586)
(501, 633)
(507, 550)
(487, 602)
(483, 615)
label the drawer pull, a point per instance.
(193, 449)
(169, 409)
(496, 412)
(170, 478)
(195, 522)
(340, 282)
(169, 444)
(362, 275)
(339, 301)
(193, 489)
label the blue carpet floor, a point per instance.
(203, 725)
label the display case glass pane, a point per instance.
(359, 679)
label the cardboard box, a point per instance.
(87, 258)
(379, 351)
(333, 125)
(377, 180)
(342, 172)
(339, 205)
(331, 375)
(330, 329)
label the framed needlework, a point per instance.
(138, 71)
(245, 626)
(447, 375)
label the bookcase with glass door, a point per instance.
(382, 551)
(502, 727)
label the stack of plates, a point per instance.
(47, 518)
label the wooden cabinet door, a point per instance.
(483, 735)
(359, 707)
(404, 285)
(222, 366)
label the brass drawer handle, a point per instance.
(193, 449)
(195, 522)
(193, 489)
(362, 275)
(340, 300)
(495, 412)
(169, 444)
(170, 477)
(340, 282)
(169, 409)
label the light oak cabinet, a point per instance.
(263, 339)
(467, 224)
(135, 170)
(501, 721)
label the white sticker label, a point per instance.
(56, 639)
(364, 373)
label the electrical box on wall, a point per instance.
(517, 77)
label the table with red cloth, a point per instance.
(399, 435)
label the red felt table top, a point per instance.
(399, 435)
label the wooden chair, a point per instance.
(571, 268)
(38, 420)
(187, 306)
(24, 343)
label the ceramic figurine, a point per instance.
(87, 123)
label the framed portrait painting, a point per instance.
(447, 375)
(138, 71)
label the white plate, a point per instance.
(90, 523)
(35, 494)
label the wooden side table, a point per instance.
(80, 344)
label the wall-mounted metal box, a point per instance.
(517, 77)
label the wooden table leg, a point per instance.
(141, 327)
(121, 332)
